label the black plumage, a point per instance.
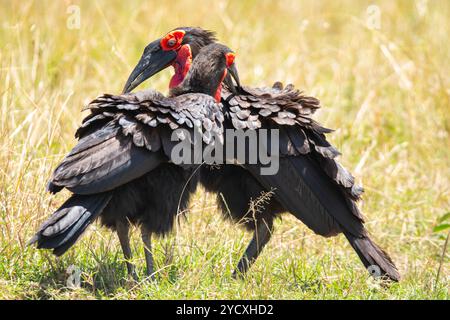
(120, 170)
(310, 184)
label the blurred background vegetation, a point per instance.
(381, 70)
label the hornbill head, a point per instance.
(177, 48)
(207, 71)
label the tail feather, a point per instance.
(375, 259)
(311, 196)
(66, 225)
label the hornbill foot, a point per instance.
(132, 274)
(261, 237)
(150, 276)
(241, 269)
(122, 229)
(146, 239)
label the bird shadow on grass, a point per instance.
(98, 280)
(92, 277)
(97, 273)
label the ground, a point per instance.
(380, 69)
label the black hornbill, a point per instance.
(120, 169)
(310, 183)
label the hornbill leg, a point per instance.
(261, 236)
(146, 239)
(122, 231)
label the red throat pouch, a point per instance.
(181, 65)
(218, 94)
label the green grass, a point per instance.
(385, 90)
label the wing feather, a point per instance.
(121, 139)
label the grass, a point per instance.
(386, 90)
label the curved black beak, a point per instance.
(153, 60)
(232, 73)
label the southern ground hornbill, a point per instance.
(310, 183)
(120, 169)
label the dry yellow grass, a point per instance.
(384, 85)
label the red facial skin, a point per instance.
(172, 40)
(182, 64)
(230, 58)
(218, 94)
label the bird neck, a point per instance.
(196, 77)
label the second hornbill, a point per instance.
(310, 183)
(121, 169)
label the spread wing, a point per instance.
(126, 136)
(310, 183)
(288, 110)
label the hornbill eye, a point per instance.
(172, 40)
